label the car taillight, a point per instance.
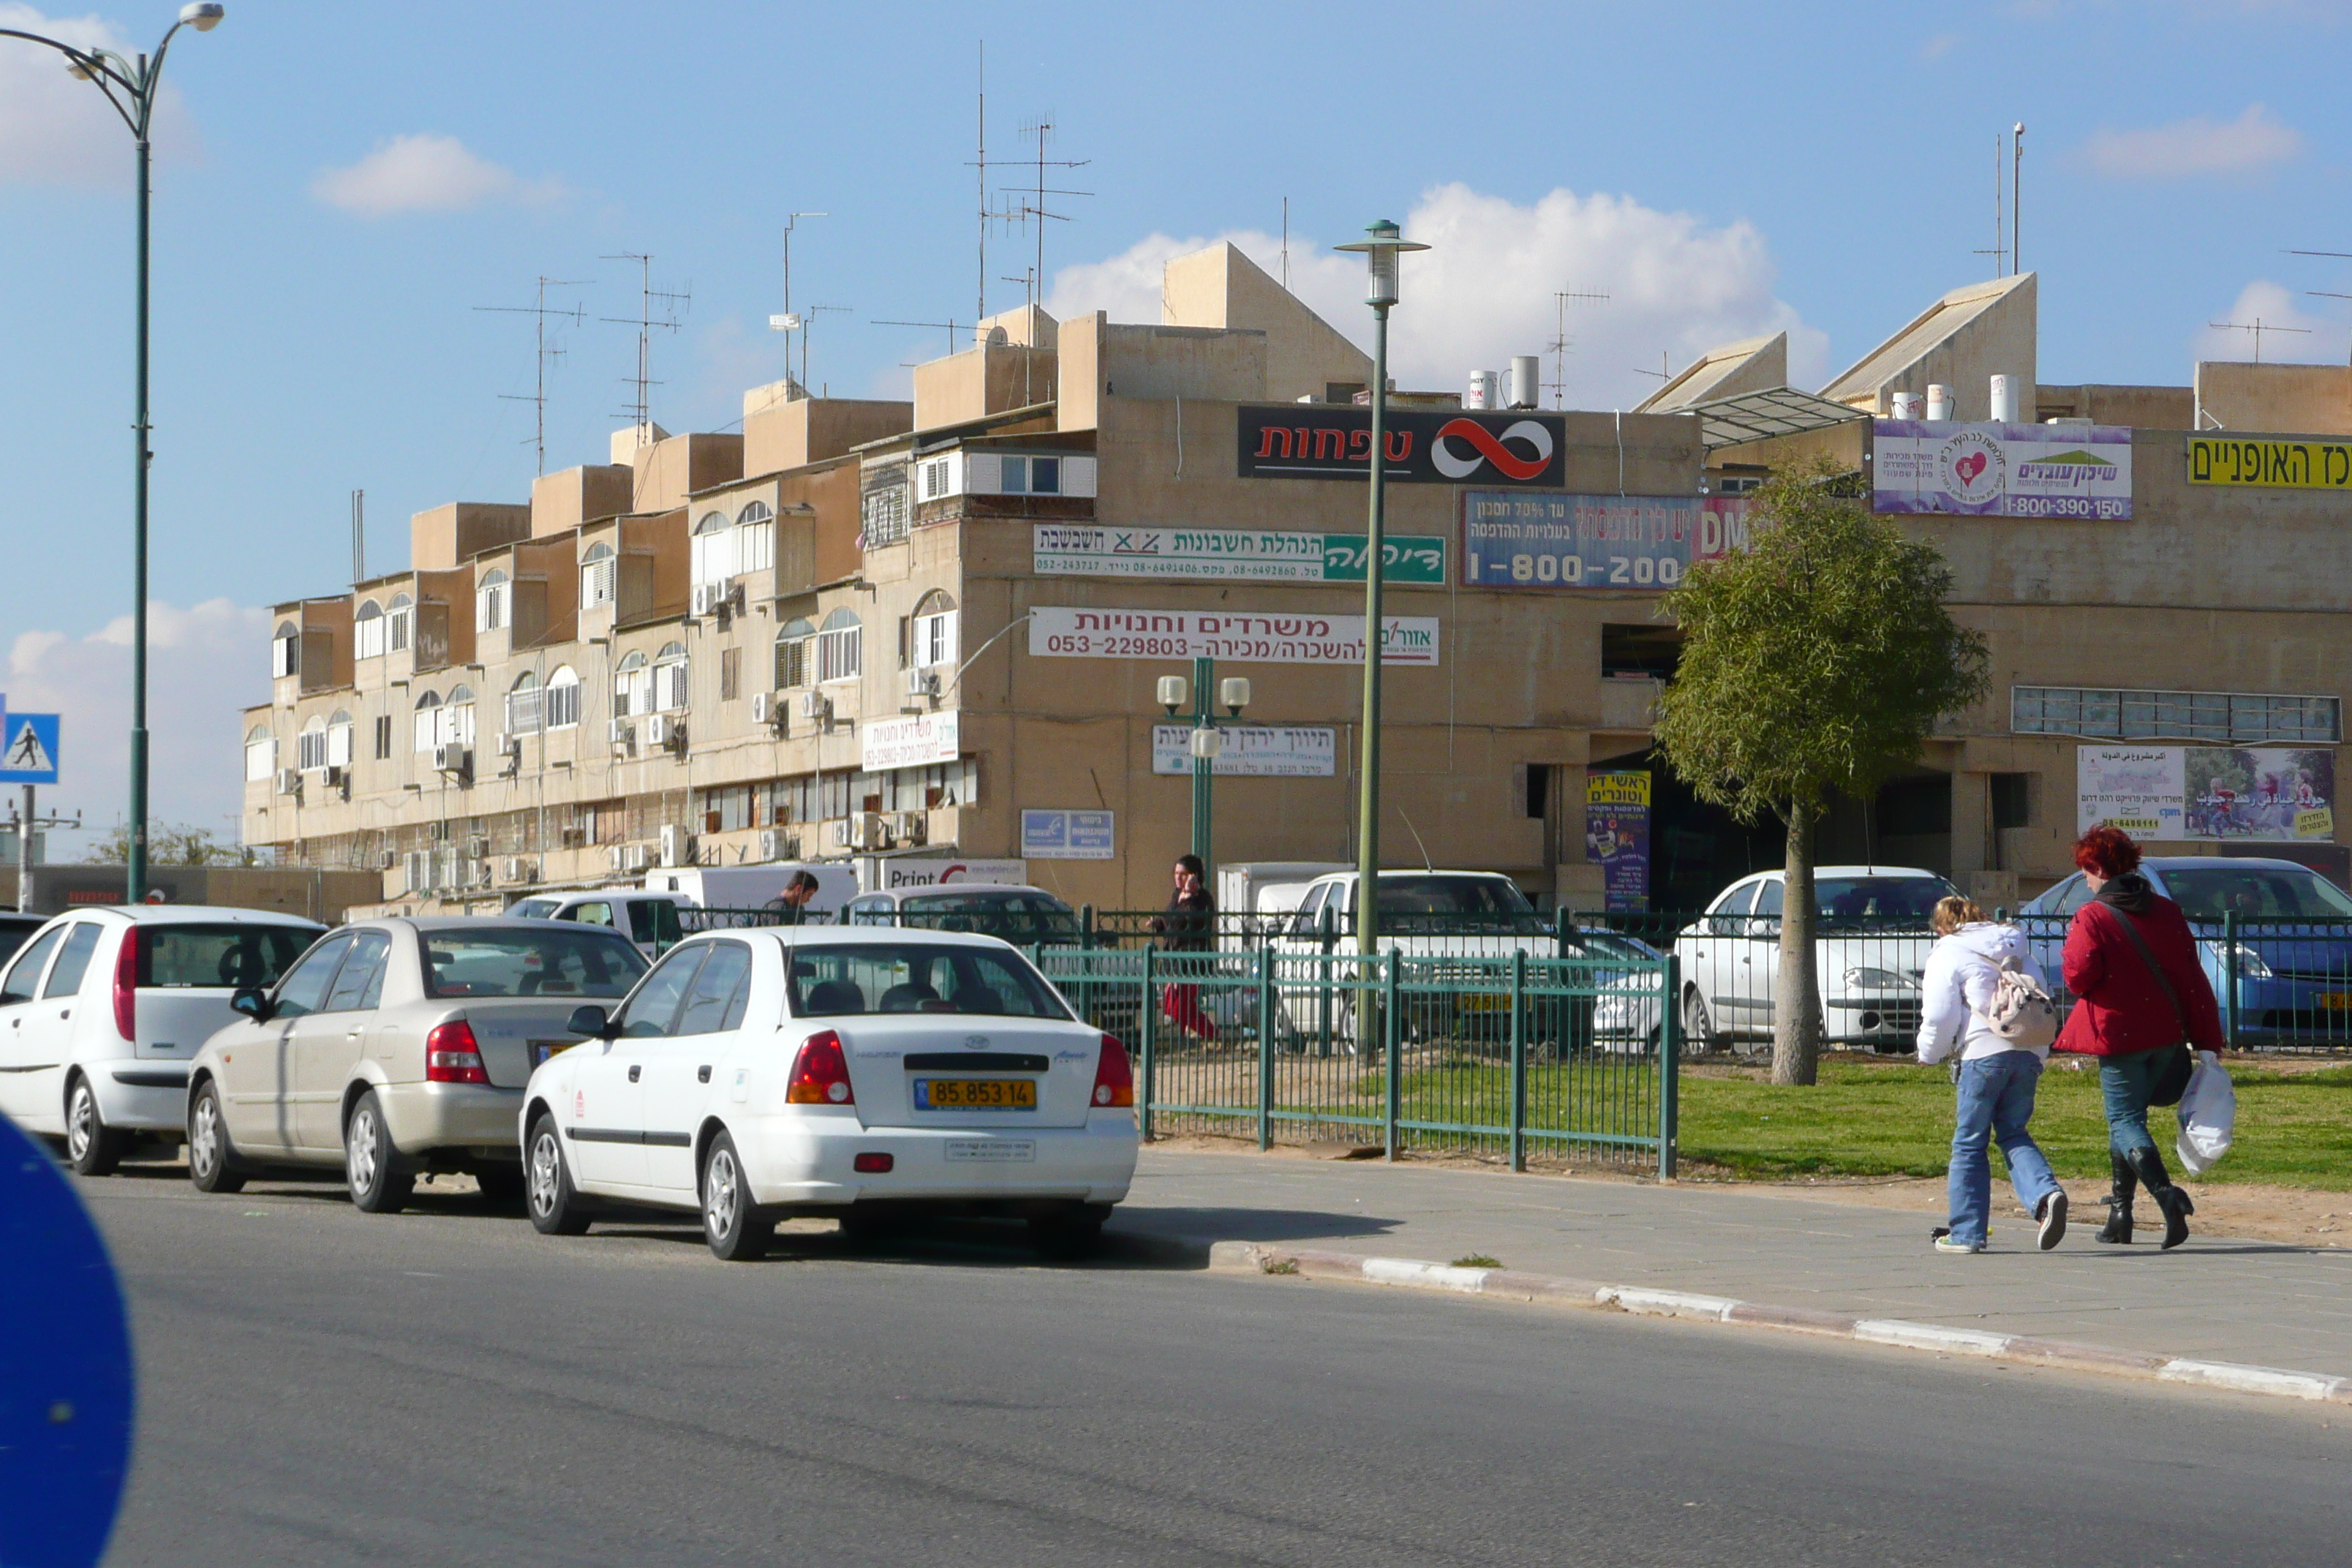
(1113, 1079)
(452, 1055)
(820, 1073)
(126, 986)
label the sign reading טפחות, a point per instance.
(1446, 447)
(1519, 539)
(1229, 554)
(2001, 470)
(1252, 750)
(1058, 631)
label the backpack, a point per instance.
(2020, 1010)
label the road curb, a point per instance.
(1511, 1284)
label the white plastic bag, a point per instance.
(2209, 1116)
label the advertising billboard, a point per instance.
(1630, 544)
(1425, 447)
(1230, 554)
(1280, 638)
(1252, 750)
(2001, 470)
(2270, 462)
(2210, 793)
(1617, 836)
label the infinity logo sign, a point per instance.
(1490, 448)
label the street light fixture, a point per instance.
(1384, 243)
(1207, 744)
(130, 87)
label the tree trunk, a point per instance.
(1796, 989)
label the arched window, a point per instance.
(367, 630)
(401, 619)
(840, 647)
(670, 677)
(713, 547)
(490, 602)
(285, 651)
(310, 745)
(338, 739)
(563, 699)
(755, 538)
(793, 653)
(260, 753)
(633, 686)
(428, 718)
(457, 719)
(526, 705)
(598, 572)
(755, 511)
(932, 631)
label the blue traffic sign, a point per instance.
(28, 748)
(66, 1371)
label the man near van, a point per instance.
(792, 905)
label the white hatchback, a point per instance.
(102, 1010)
(867, 1075)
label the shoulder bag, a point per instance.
(2174, 1081)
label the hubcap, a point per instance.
(543, 1171)
(361, 1151)
(81, 1121)
(204, 1147)
(719, 1197)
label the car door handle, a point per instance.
(702, 1073)
(353, 1034)
(634, 1070)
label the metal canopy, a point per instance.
(1755, 415)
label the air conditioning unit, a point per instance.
(620, 859)
(922, 683)
(777, 845)
(708, 597)
(633, 857)
(869, 830)
(416, 870)
(387, 860)
(677, 846)
(517, 868)
(658, 727)
(510, 755)
(338, 778)
(290, 781)
(770, 708)
(910, 828)
(816, 707)
(844, 834)
(453, 759)
(623, 736)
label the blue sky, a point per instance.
(1716, 169)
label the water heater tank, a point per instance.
(1939, 401)
(1527, 391)
(1481, 393)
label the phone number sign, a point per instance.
(1623, 543)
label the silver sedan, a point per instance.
(395, 1048)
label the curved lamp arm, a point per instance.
(983, 648)
(110, 72)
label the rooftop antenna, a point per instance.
(2258, 327)
(1285, 245)
(1560, 341)
(1032, 207)
(2000, 251)
(951, 324)
(1664, 372)
(359, 537)
(669, 302)
(788, 323)
(807, 316)
(2016, 196)
(548, 352)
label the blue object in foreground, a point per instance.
(66, 1401)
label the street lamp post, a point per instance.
(130, 87)
(1381, 251)
(1208, 743)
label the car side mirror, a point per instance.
(591, 1023)
(253, 1001)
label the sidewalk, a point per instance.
(2213, 1298)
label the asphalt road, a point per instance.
(320, 1386)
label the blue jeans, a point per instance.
(1996, 1101)
(2125, 1083)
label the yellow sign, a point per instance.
(2319, 824)
(2270, 462)
(1617, 789)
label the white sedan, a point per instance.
(866, 1075)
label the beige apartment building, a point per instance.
(934, 629)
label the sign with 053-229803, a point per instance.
(1626, 544)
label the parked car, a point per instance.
(16, 926)
(1022, 915)
(397, 1046)
(872, 1075)
(102, 1010)
(649, 920)
(1869, 948)
(2294, 944)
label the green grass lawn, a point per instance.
(1872, 1118)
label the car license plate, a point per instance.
(1486, 1002)
(994, 1151)
(2335, 1001)
(975, 1094)
(540, 1050)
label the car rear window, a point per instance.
(218, 957)
(1877, 898)
(525, 960)
(1012, 915)
(832, 981)
(2263, 892)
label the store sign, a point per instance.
(917, 740)
(1229, 555)
(884, 873)
(2001, 470)
(1280, 638)
(1617, 837)
(1252, 750)
(1630, 543)
(2278, 793)
(1066, 835)
(1424, 447)
(2269, 463)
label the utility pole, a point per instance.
(25, 821)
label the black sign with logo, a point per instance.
(1425, 447)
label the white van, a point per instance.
(649, 920)
(758, 887)
(102, 1010)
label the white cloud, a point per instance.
(2289, 335)
(2200, 145)
(1485, 292)
(203, 665)
(425, 174)
(58, 130)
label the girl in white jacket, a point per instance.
(1997, 1077)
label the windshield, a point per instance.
(194, 957)
(918, 977)
(1014, 916)
(2254, 892)
(1877, 897)
(1498, 899)
(529, 961)
(536, 908)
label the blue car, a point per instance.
(2293, 958)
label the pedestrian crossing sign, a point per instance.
(28, 754)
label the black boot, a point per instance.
(2118, 1228)
(2148, 1165)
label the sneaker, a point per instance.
(2054, 1220)
(1945, 1242)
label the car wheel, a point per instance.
(1073, 1234)
(92, 1147)
(212, 1165)
(734, 1229)
(1698, 1028)
(555, 1205)
(369, 1161)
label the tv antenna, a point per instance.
(2000, 248)
(1285, 245)
(1560, 341)
(657, 310)
(951, 324)
(806, 318)
(2258, 327)
(1035, 209)
(1664, 372)
(548, 352)
(788, 323)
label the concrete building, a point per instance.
(934, 628)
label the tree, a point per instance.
(1815, 662)
(168, 843)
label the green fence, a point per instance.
(1494, 1055)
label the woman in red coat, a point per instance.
(2130, 1013)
